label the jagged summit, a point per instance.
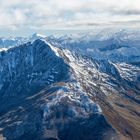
(36, 62)
(35, 36)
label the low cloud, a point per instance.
(67, 14)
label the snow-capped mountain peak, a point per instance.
(37, 36)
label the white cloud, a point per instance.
(67, 13)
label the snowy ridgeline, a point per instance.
(115, 45)
(34, 64)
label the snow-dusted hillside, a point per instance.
(73, 87)
(38, 66)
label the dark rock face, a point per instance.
(93, 128)
(28, 68)
(26, 120)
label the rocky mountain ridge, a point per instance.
(49, 90)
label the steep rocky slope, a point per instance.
(61, 110)
(31, 66)
(115, 87)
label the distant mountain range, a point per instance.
(16, 41)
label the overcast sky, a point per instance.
(27, 16)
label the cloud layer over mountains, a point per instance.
(64, 14)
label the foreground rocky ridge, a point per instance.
(52, 113)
